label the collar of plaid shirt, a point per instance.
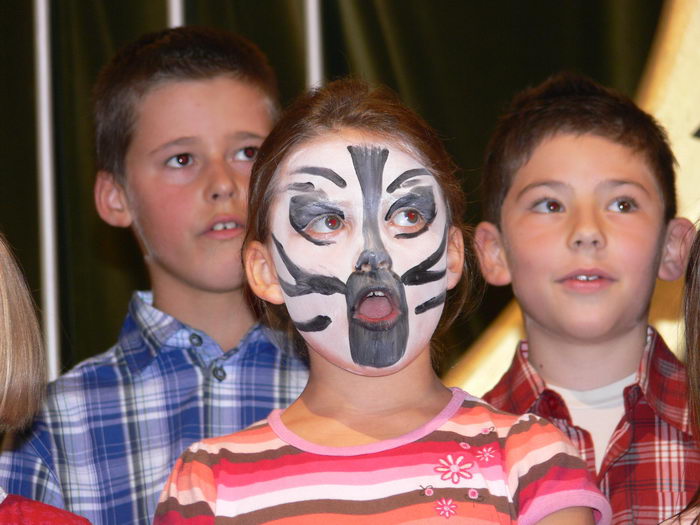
(661, 378)
(148, 332)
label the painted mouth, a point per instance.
(376, 309)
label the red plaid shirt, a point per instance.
(652, 464)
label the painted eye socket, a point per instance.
(548, 206)
(623, 205)
(408, 217)
(181, 160)
(325, 224)
(249, 153)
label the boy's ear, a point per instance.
(261, 273)
(455, 257)
(111, 201)
(674, 255)
(491, 253)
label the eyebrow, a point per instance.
(613, 183)
(622, 182)
(554, 184)
(326, 173)
(189, 140)
(406, 175)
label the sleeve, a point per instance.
(189, 496)
(27, 467)
(546, 474)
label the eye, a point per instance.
(325, 224)
(623, 205)
(548, 206)
(407, 217)
(249, 153)
(181, 160)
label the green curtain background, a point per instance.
(457, 62)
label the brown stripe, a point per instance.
(201, 508)
(538, 472)
(372, 507)
(213, 458)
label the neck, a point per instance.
(225, 317)
(340, 408)
(580, 364)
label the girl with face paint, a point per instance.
(355, 243)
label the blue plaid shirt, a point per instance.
(112, 428)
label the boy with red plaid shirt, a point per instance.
(580, 218)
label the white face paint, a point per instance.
(359, 232)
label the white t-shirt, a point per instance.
(598, 411)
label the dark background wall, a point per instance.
(457, 62)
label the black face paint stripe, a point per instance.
(431, 303)
(421, 198)
(408, 174)
(369, 166)
(304, 209)
(306, 283)
(317, 324)
(420, 274)
(301, 186)
(412, 234)
(326, 173)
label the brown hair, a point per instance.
(691, 309)
(22, 360)
(180, 54)
(353, 104)
(573, 104)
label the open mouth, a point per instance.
(376, 307)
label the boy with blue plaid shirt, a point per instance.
(179, 117)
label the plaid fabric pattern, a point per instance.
(112, 428)
(652, 465)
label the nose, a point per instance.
(223, 183)
(586, 232)
(370, 260)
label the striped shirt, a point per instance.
(651, 465)
(470, 464)
(112, 428)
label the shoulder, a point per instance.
(17, 509)
(254, 443)
(525, 438)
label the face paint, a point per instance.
(359, 234)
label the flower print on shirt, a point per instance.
(446, 507)
(454, 469)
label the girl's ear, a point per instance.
(455, 256)
(261, 273)
(491, 253)
(674, 255)
(110, 200)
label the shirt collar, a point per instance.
(661, 379)
(148, 333)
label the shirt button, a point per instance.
(195, 340)
(219, 373)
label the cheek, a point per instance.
(332, 342)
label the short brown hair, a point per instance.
(22, 359)
(353, 104)
(179, 54)
(573, 104)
